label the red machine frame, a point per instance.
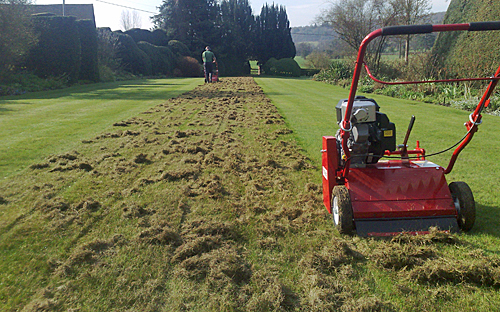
(399, 195)
(215, 73)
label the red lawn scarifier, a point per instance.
(405, 193)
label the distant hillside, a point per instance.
(324, 39)
(437, 18)
(325, 33)
(310, 39)
(470, 53)
(313, 34)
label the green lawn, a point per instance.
(206, 203)
(301, 61)
(35, 125)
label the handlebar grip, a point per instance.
(406, 30)
(481, 26)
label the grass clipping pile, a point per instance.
(206, 203)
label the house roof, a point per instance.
(80, 11)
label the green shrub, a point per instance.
(319, 60)
(271, 63)
(470, 104)
(188, 66)
(17, 36)
(309, 71)
(106, 73)
(167, 59)
(109, 64)
(157, 37)
(337, 71)
(23, 82)
(162, 58)
(465, 53)
(396, 69)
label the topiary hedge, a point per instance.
(132, 58)
(469, 53)
(157, 37)
(160, 38)
(179, 48)
(140, 35)
(168, 59)
(283, 67)
(58, 52)
(162, 58)
(89, 67)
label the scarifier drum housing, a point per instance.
(372, 196)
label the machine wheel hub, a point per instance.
(335, 210)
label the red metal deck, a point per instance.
(400, 189)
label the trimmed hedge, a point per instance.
(140, 35)
(162, 59)
(58, 52)
(160, 38)
(469, 54)
(168, 59)
(132, 58)
(157, 37)
(283, 67)
(89, 68)
(179, 48)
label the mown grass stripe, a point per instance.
(35, 125)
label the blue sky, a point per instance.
(300, 12)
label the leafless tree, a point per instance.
(130, 20)
(411, 12)
(352, 20)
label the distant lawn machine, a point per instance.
(215, 73)
(373, 187)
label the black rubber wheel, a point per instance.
(464, 202)
(342, 210)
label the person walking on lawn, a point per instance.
(208, 58)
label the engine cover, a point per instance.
(372, 132)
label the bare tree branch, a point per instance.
(130, 20)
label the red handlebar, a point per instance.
(475, 118)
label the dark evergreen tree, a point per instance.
(193, 22)
(235, 48)
(273, 34)
(230, 28)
